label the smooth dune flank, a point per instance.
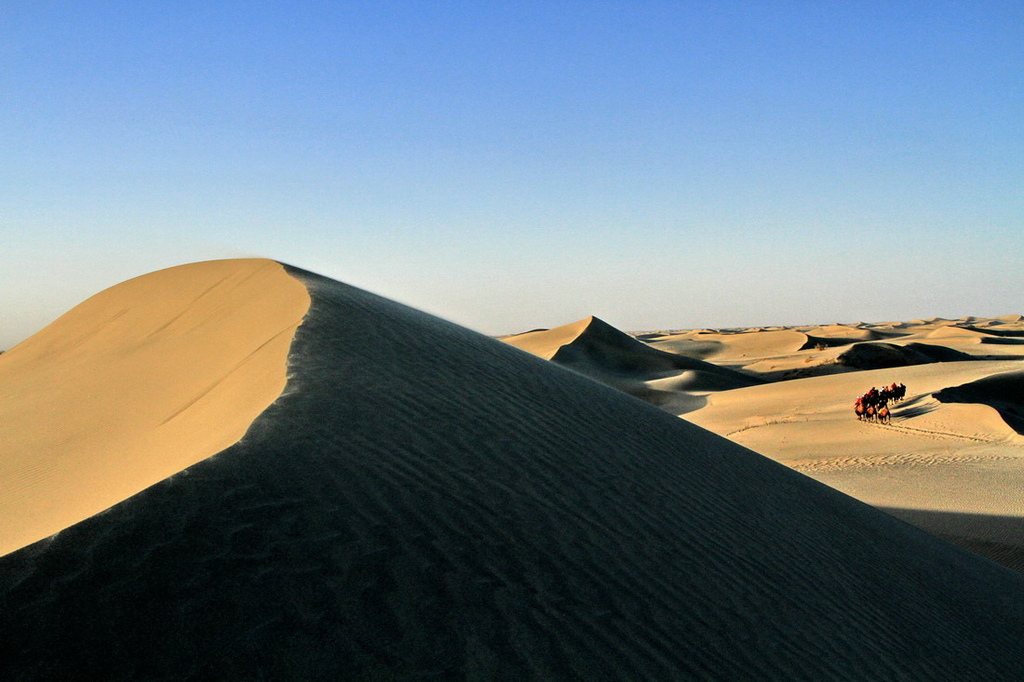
(423, 502)
(137, 383)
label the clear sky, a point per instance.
(512, 165)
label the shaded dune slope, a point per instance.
(426, 502)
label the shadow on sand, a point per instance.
(997, 538)
(912, 408)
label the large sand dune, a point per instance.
(424, 502)
(136, 384)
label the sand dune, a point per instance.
(956, 335)
(593, 342)
(768, 355)
(752, 344)
(951, 451)
(939, 461)
(837, 334)
(1003, 392)
(136, 384)
(689, 345)
(595, 349)
(425, 502)
(880, 355)
(822, 409)
(1001, 329)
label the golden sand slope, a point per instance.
(135, 384)
(808, 422)
(544, 343)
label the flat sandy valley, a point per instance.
(242, 470)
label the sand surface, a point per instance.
(951, 460)
(676, 383)
(423, 502)
(136, 384)
(953, 468)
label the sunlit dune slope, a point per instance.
(135, 384)
(425, 502)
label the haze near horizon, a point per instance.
(660, 165)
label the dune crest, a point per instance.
(137, 383)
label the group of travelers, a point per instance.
(874, 405)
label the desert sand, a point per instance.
(136, 384)
(421, 501)
(952, 458)
(595, 349)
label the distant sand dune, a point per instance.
(956, 334)
(757, 344)
(998, 331)
(425, 502)
(880, 355)
(846, 332)
(595, 349)
(688, 345)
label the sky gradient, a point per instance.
(517, 165)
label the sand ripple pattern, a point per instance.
(426, 503)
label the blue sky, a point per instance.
(523, 164)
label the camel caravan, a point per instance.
(874, 405)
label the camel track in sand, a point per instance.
(940, 434)
(904, 459)
(937, 435)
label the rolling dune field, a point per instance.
(950, 460)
